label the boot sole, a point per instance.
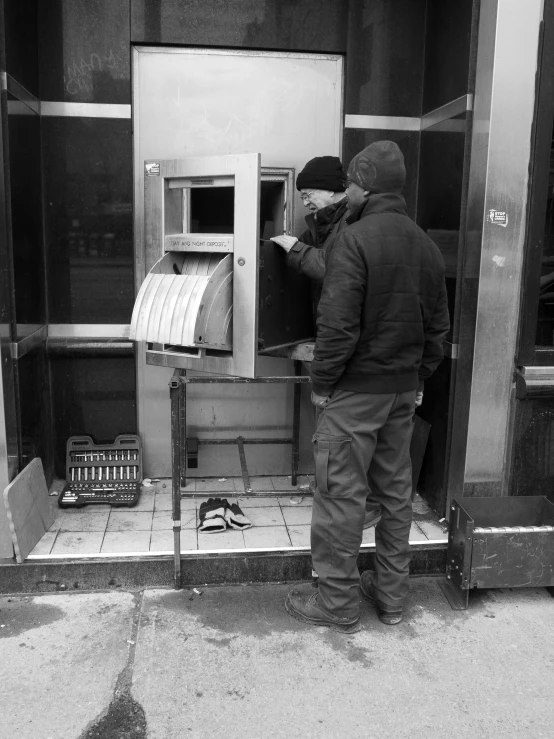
(390, 619)
(343, 628)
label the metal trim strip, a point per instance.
(85, 110)
(416, 545)
(27, 344)
(234, 52)
(22, 94)
(18, 107)
(382, 122)
(88, 330)
(538, 372)
(450, 110)
(400, 123)
(450, 350)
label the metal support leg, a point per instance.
(175, 396)
(183, 431)
(295, 461)
(458, 599)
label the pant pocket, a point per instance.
(333, 464)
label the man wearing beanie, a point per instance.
(321, 184)
(381, 322)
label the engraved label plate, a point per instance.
(199, 242)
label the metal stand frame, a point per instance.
(178, 400)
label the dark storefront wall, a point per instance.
(84, 58)
(405, 59)
(532, 469)
(396, 59)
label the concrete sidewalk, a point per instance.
(231, 663)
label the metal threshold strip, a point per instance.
(196, 553)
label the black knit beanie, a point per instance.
(322, 173)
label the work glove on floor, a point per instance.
(235, 517)
(211, 516)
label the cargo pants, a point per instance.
(361, 438)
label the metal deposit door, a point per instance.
(213, 103)
(200, 297)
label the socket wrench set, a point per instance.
(102, 473)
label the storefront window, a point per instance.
(545, 318)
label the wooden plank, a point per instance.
(28, 508)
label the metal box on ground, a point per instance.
(499, 543)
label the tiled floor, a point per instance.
(281, 520)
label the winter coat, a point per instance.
(383, 311)
(309, 254)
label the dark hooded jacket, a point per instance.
(308, 255)
(383, 313)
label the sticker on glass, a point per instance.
(499, 217)
(152, 169)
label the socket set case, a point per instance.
(102, 473)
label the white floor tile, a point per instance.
(129, 521)
(162, 541)
(299, 535)
(229, 539)
(84, 519)
(120, 542)
(270, 516)
(266, 537)
(299, 516)
(78, 542)
(44, 546)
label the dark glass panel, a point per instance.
(35, 409)
(26, 201)
(88, 199)
(439, 198)
(384, 62)
(355, 140)
(85, 51)
(94, 397)
(20, 24)
(533, 448)
(310, 25)
(545, 318)
(447, 50)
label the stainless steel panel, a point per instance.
(85, 110)
(382, 122)
(501, 149)
(88, 330)
(450, 110)
(206, 102)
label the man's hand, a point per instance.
(418, 399)
(320, 401)
(284, 241)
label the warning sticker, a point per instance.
(499, 217)
(152, 169)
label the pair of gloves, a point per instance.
(216, 514)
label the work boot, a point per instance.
(389, 615)
(303, 606)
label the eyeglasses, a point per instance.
(305, 196)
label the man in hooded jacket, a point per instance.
(321, 184)
(381, 322)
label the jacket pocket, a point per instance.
(333, 464)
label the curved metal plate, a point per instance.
(186, 300)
